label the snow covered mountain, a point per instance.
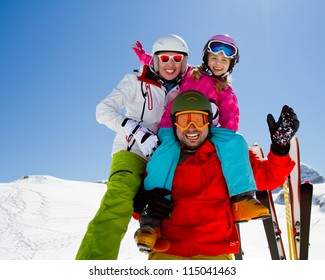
(310, 174)
(45, 218)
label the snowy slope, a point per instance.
(45, 218)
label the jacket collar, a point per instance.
(147, 75)
(204, 151)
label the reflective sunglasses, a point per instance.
(229, 51)
(177, 58)
(199, 119)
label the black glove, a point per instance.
(158, 206)
(283, 130)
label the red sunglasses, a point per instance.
(177, 58)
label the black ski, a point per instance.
(306, 197)
(271, 226)
(239, 255)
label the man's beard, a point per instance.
(186, 147)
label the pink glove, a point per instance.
(142, 55)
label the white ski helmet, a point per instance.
(170, 43)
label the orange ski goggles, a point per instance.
(199, 119)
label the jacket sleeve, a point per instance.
(228, 109)
(145, 58)
(271, 172)
(108, 111)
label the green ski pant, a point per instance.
(107, 229)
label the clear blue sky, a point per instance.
(59, 59)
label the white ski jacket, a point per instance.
(138, 96)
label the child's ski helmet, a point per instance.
(223, 38)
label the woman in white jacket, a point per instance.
(144, 96)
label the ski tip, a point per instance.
(307, 183)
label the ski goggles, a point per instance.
(229, 51)
(199, 119)
(177, 58)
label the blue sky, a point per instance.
(59, 59)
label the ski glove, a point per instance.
(155, 202)
(146, 139)
(141, 53)
(283, 130)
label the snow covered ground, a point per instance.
(45, 218)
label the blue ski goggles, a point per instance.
(228, 50)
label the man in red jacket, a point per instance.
(198, 220)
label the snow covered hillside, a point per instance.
(45, 218)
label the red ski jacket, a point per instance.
(201, 222)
